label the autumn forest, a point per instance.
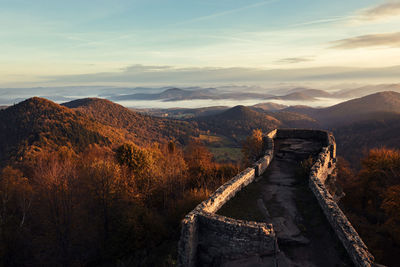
(91, 183)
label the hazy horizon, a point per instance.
(222, 95)
(199, 43)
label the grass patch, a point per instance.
(210, 138)
(243, 205)
(226, 154)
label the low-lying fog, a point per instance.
(198, 97)
(199, 103)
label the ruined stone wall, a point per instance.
(320, 171)
(349, 237)
(206, 236)
(203, 218)
(221, 238)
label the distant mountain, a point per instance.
(57, 98)
(171, 94)
(379, 130)
(310, 92)
(295, 120)
(237, 121)
(287, 90)
(304, 90)
(388, 101)
(296, 96)
(183, 113)
(269, 106)
(144, 128)
(316, 93)
(367, 90)
(352, 110)
(177, 94)
(243, 96)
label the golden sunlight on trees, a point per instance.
(101, 205)
(391, 207)
(56, 177)
(137, 159)
(252, 147)
(372, 201)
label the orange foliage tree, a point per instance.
(372, 201)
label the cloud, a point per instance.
(170, 75)
(385, 10)
(142, 68)
(293, 60)
(382, 39)
(321, 21)
(226, 12)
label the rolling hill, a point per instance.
(144, 128)
(269, 106)
(353, 140)
(353, 110)
(37, 123)
(296, 96)
(295, 120)
(367, 90)
(177, 94)
(171, 94)
(237, 121)
(183, 113)
(315, 93)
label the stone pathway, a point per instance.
(305, 237)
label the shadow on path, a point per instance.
(282, 197)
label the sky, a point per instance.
(55, 43)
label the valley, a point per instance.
(156, 163)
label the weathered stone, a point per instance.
(209, 239)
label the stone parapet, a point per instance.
(352, 242)
(229, 239)
(207, 237)
(188, 243)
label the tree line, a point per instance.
(372, 201)
(103, 207)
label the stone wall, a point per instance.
(207, 237)
(221, 238)
(349, 237)
(323, 167)
(203, 217)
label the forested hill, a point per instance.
(380, 130)
(239, 120)
(353, 110)
(144, 128)
(37, 123)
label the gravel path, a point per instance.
(282, 197)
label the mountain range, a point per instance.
(352, 110)
(37, 123)
(177, 94)
(279, 92)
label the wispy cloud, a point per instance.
(322, 21)
(142, 68)
(370, 40)
(226, 12)
(162, 75)
(385, 10)
(293, 60)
